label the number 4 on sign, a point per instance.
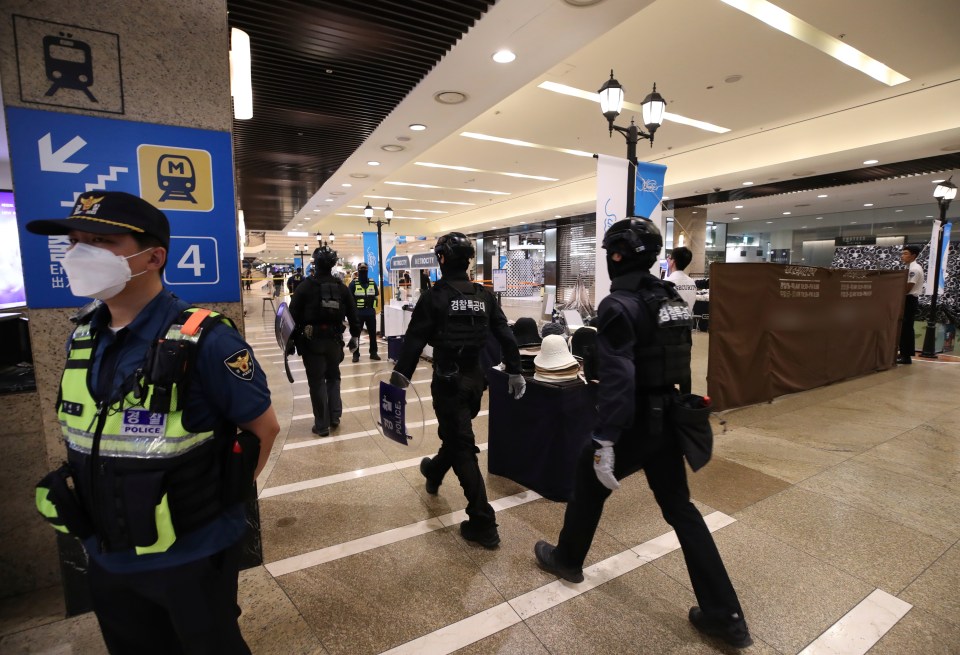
(191, 260)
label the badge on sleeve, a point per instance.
(240, 364)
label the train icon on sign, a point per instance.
(172, 177)
(176, 177)
(68, 64)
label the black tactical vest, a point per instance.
(463, 321)
(323, 306)
(663, 359)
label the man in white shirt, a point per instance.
(677, 261)
(914, 288)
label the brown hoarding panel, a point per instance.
(778, 329)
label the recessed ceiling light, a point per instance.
(450, 97)
(936, 181)
(819, 218)
(868, 204)
(556, 216)
(781, 20)
(316, 210)
(786, 213)
(666, 198)
(803, 227)
(738, 207)
(346, 185)
(358, 176)
(870, 162)
(822, 195)
(769, 222)
(747, 183)
(929, 216)
(853, 222)
(897, 210)
(418, 127)
(373, 163)
(695, 212)
(503, 56)
(392, 147)
(735, 218)
(433, 186)
(338, 193)
(329, 200)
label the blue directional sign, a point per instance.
(185, 172)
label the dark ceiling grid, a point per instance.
(325, 75)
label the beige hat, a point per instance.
(554, 354)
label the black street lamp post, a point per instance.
(944, 193)
(387, 217)
(653, 108)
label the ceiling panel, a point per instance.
(325, 74)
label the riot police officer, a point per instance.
(365, 293)
(318, 307)
(644, 352)
(456, 316)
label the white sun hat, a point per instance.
(554, 354)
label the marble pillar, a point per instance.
(170, 67)
(691, 222)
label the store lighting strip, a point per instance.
(781, 20)
(467, 169)
(667, 116)
(448, 188)
(418, 211)
(436, 202)
(524, 144)
(395, 217)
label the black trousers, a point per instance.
(667, 478)
(190, 609)
(369, 322)
(908, 344)
(321, 361)
(457, 403)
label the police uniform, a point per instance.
(156, 489)
(365, 297)
(643, 344)
(455, 316)
(319, 306)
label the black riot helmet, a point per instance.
(324, 258)
(637, 240)
(457, 250)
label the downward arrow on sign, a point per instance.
(56, 162)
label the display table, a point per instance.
(535, 441)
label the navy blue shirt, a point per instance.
(217, 393)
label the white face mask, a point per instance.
(96, 272)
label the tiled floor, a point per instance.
(836, 511)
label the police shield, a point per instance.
(284, 326)
(396, 410)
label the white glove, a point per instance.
(603, 464)
(516, 385)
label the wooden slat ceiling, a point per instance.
(325, 74)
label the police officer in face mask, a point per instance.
(318, 307)
(455, 316)
(643, 347)
(365, 294)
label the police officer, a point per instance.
(294, 280)
(150, 401)
(456, 316)
(365, 293)
(644, 351)
(318, 307)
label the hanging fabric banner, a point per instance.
(371, 255)
(648, 191)
(934, 259)
(611, 207)
(944, 253)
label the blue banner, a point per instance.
(371, 255)
(187, 173)
(648, 189)
(942, 261)
(393, 404)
